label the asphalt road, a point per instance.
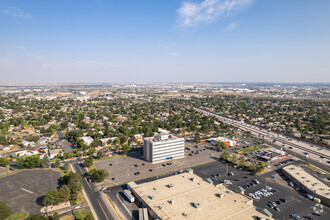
(94, 196)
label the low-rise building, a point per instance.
(187, 196)
(87, 140)
(53, 153)
(227, 141)
(309, 183)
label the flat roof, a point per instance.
(170, 202)
(167, 137)
(308, 180)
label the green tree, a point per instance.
(45, 162)
(20, 161)
(52, 198)
(89, 216)
(253, 168)
(99, 154)
(4, 161)
(233, 158)
(4, 210)
(242, 162)
(57, 163)
(126, 149)
(197, 138)
(88, 162)
(225, 155)
(74, 183)
(64, 125)
(223, 145)
(123, 140)
(64, 193)
(98, 175)
(116, 141)
(32, 161)
(55, 216)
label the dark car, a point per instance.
(150, 170)
(143, 164)
(282, 200)
(135, 165)
(163, 164)
(110, 164)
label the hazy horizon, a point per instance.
(228, 41)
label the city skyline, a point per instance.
(99, 41)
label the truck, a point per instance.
(129, 195)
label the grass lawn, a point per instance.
(81, 198)
(82, 214)
(250, 149)
(17, 216)
(67, 217)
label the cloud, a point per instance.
(19, 47)
(169, 51)
(15, 12)
(14, 47)
(4, 60)
(173, 54)
(232, 25)
(41, 57)
(191, 13)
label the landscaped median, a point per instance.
(17, 216)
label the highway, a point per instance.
(315, 152)
(95, 197)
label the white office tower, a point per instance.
(163, 147)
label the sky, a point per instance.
(105, 41)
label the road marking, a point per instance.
(124, 204)
(27, 190)
(84, 178)
(102, 209)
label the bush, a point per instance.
(4, 210)
(37, 217)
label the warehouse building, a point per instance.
(163, 147)
(187, 196)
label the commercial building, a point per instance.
(227, 141)
(309, 183)
(187, 196)
(163, 147)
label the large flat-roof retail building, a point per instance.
(163, 147)
(309, 183)
(187, 196)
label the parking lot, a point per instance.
(287, 199)
(24, 191)
(295, 202)
(134, 167)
